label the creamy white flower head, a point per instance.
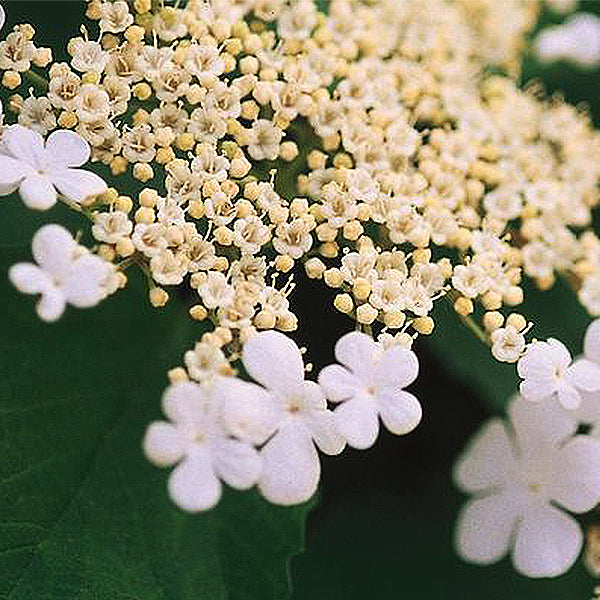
(286, 411)
(66, 273)
(547, 369)
(519, 474)
(369, 384)
(195, 438)
(38, 170)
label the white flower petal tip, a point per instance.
(38, 171)
(526, 479)
(547, 371)
(369, 384)
(66, 273)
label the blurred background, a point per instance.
(384, 524)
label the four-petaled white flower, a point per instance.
(546, 369)
(286, 411)
(38, 170)
(369, 384)
(66, 273)
(196, 440)
(519, 475)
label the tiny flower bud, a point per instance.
(463, 306)
(314, 268)
(344, 303)
(198, 312)
(493, 320)
(177, 375)
(361, 288)
(158, 297)
(423, 325)
(333, 277)
(284, 263)
(143, 172)
(516, 320)
(366, 314)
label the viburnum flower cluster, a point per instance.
(224, 145)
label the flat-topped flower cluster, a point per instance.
(367, 143)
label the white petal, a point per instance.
(24, 144)
(568, 396)
(396, 368)
(547, 543)
(357, 421)
(52, 247)
(539, 425)
(575, 483)
(84, 284)
(29, 278)
(291, 468)
(584, 375)
(560, 353)
(163, 444)
(273, 360)
(400, 411)
(536, 390)
(183, 402)
(249, 411)
(12, 172)
(236, 463)
(323, 429)
(67, 148)
(193, 485)
(484, 528)
(589, 409)
(488, 461)
(51, 305)
(37, 192)
(338, 383)
(77, 184)
(358, 352)
(591, 342)
(2, 16)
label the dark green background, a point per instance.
(383, 525)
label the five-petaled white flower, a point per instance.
(521, 475)
(289, 413)
(546, 369)
(196, 439)
(369, 383)
(38, 170)
(66, 273)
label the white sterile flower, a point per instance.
(66, 273)
(369, 384)
(196, 439)
(2, 16)
(519, 474)
(39, 170)
(288, 411)
(546, 369)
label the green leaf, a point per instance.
(83, 515)
(554, 313)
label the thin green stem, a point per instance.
(36, 79)
(468, 321)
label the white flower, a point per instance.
(66, 273)
(507, 344)
(38, 170)
(369, 383)
(195, 438)
(2, 16)
(546, 369)
(576, 40)
(288, 411)
(519, 475)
